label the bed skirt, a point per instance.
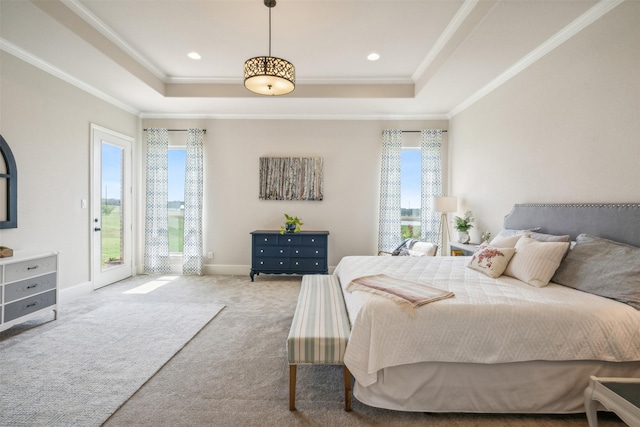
(541, 387)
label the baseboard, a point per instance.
(80, 290)
(235, 270)
(227, 270)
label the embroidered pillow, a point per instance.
(490, 260)
(535, 262)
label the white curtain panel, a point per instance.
(431, 149)
(192, 252)
(389, 228)
(156, 236)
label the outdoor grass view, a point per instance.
(410, 199)
(111, 218)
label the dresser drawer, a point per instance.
(313, 240)
(265, 239)
(271, 263)
(24, 269)
(272, 251)
(307, 251)
(309, 264)
(29, 305)
(24, 288)
(289, 239)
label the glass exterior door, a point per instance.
(111, 208)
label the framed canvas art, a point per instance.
(291, 178)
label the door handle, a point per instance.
(96, 229)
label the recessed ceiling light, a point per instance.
(194, 55)
(373, 56)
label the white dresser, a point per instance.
(28, 287)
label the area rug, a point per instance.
(81, 372)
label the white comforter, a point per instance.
(488, 320)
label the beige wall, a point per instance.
(565, 130)
(349, 211)
(46, 122)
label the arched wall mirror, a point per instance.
(8, 187)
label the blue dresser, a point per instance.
(290, 253)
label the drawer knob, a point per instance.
(261, 262)
(297, 263)
(32, 268)
(296, 251)
(281, 251)
(313, 240)
(316, 263)
(288, 240)
(266, 240)
(281, 263)
(261, 250)
(316, 251)
(33, 304)
(32, 286)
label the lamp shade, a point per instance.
(445, 204)
(268, 75)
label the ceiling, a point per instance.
(436, 57)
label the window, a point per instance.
(410, 179)
(175, 200)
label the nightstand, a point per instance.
(463, 249)
(620, 395)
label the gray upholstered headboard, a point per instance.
(614, 221)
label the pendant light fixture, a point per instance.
(268, 75)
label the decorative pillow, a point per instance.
(507, 238)
(541, 237)
(422, 249)
(602, 267)
(535, 262)
(491, 260)
(505, 241)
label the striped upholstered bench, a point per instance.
(319, 331)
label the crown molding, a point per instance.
(577, 25)
(444, 38)
(84, 13)
(328, 117)
(39, 63)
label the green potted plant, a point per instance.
(463, 225)
(291, 225)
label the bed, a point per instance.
(500, 345)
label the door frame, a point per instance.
(127, 268)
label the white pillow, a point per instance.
(490, 260)
(503, 241)
(536, 262)
(422, 249)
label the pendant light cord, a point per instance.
(270, 31)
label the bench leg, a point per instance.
(292, 387)
(347, 389)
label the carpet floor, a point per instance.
(234, 371)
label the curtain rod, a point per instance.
(417, 131)
(178, 130)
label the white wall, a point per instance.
(46, 122)
(565, 130)
(349, 211)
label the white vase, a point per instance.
(463, 237)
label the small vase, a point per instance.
(290, 228)
(463, 237)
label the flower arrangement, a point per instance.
(291, 225)
(485, 237)
(464, 223)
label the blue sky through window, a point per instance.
(111, 171)
(410, 179)
(177, 168)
